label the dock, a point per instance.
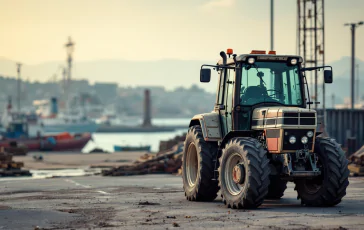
(138, 129)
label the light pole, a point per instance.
(271, 25)
(357, 83)
(18, 69)
(353, 27)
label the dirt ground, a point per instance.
(157, 202)
(77, 160)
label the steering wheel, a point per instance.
(274, 90)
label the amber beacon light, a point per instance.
(258, 52)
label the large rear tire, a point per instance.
(244, 173)
(330, 187)
(198, 167)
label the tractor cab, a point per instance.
(257, 80)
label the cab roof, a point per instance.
(261, 57)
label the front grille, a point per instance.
(290, 121)
(307, 121)
(290, 115)
(307, 115)
(298, 133)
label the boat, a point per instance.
(52, 121)
(56, 125)
(127, 148)
(58, 142)
(15, 132)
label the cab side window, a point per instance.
(229, 88)
(221, 87)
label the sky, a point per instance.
(35, 31)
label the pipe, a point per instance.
(224, 57)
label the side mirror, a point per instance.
(205, 75)
(328, 76)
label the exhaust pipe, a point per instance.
(224, 57)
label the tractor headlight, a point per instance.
(304, 140)
(292, 139)
(293, 61)
(310, 134)
(251, 60)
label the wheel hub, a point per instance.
(239, 174)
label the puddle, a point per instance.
(54, 173)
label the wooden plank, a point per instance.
(16, 164)
(356, 168)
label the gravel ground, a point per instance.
(74, 160)
(157, 202)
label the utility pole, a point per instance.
(353, 27)
(357, 83)
(271, 25)
(271, 32)
(18, 67)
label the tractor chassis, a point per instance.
(300, 164)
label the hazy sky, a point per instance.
(34, 31)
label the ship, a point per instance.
(15, 129)
(72, 121)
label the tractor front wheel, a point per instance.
(244, 173)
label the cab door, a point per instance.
(230, 84)
(227, 101)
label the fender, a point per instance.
(240, 133)
(210, 125)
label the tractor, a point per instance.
(261, 135)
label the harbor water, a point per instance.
(107, 141)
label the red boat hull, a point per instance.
(72, 143)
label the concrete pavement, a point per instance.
(157, 202)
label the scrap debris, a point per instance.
(356, 165)
(165, 161)
(8, 167)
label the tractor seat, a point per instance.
(254, 92)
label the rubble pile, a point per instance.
(356, 165)
(8, 167)
(165, 161)
(165, 145)
(17, 149)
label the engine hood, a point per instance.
(280, 117)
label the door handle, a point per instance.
(219, 107)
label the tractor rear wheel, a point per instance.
(330, 187)
(198, 167)
(244, 173)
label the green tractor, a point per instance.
(260, 135)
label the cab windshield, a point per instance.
(270, 82)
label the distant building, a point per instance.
(80, 86)
(107, 92)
